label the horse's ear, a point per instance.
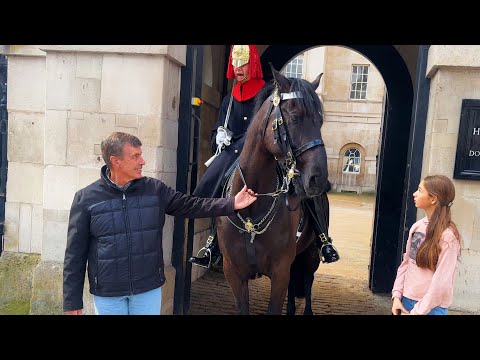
(279, 79)
(316, 82)
(274, 73)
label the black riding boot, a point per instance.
(320, 206)
(328, 252)
(211, 256)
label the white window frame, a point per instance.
(359, 82)
(352, 160)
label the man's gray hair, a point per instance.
(113, 145)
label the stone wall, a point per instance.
(454, 71)
(63, 100)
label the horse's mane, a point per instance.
(263, 94)
(310, 101)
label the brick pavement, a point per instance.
(211, 295)
(340, 288)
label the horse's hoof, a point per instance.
(291, 312)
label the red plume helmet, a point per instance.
(243, 55)
(255, 65)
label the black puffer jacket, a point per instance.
(120, 234)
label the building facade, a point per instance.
(353, 93)
(64, 99)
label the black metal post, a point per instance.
(415, 148)
(183, 151)
(3, 144)
(190, 86)
(198, 66)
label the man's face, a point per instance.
(129, 164)
(242, 73)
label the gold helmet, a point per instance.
(240, 55)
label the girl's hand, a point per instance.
(398, 309)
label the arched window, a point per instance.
(351, 161)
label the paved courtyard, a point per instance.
(339, 288)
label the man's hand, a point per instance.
(244, 198)
(398, 309)
(74, 312)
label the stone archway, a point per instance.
(398, 73)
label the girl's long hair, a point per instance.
(441, 187)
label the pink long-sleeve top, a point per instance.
(429, 288)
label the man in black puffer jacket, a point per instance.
(116, 227)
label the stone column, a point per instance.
(454, 71)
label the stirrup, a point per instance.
(208, 253)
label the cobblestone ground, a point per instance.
(339, 288)
(331, 295)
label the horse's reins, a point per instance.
(276, 193)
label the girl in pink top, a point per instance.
(424, 282)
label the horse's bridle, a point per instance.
(281, 135)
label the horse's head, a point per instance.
(293, 132)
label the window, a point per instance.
(294, 68)
(358, 90)
(351, 161)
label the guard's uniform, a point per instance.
(241, 114)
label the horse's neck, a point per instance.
(258, 167)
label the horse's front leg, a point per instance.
(308, 281)
(291, 308)
(239, 287)
(279, 284)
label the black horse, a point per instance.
(284, 161)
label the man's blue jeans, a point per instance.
(409, 304)
(147, 303)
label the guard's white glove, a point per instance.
(223, 136)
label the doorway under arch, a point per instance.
(392, 163)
